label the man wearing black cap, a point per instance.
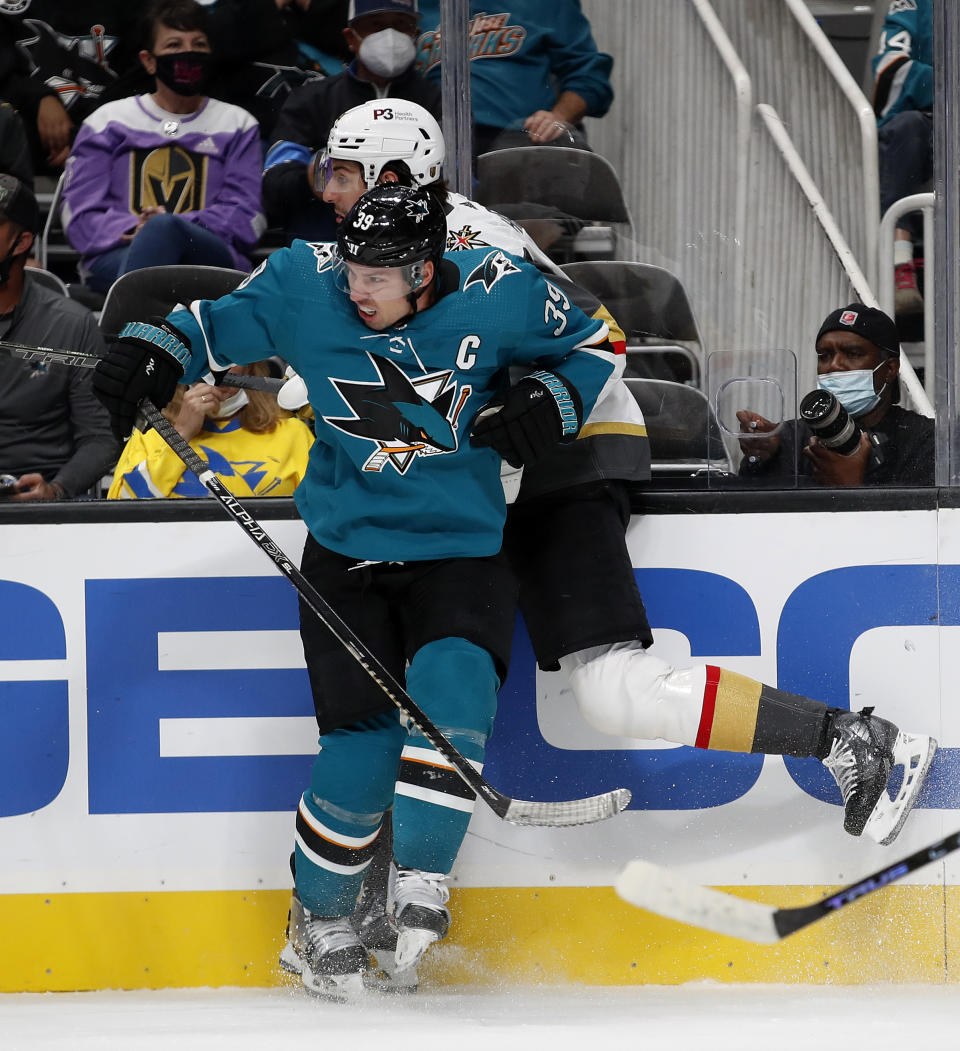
(381, 34)
(858, 361)
(55, 438)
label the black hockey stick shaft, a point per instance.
(83, 360)
(522, 812)
(788, 921)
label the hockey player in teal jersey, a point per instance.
(403, 351)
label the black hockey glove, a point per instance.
(146, 361)
(536, 414)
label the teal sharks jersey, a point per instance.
(392, 475)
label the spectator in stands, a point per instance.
(167, 177)
(55, 436)
(59, 61)
(14, 148)
(255, 447)
(381, 35)
(903, 102)
(267, 48)
(534, 73)
(858, 360)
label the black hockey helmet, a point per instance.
(393, 225)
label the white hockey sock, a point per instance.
(625, 691)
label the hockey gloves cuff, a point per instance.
(293, 395)
(536, 414)
(146, 361)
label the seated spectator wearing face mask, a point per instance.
(167, 177)
(254, 447)
(55, 438)
(858, 361)
(381, 36)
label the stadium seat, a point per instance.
(685, 439)
(156, 290)
(653, 309)
(559, 185)
(47, 279)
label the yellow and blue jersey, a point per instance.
(247, 463)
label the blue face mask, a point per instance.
(854, 389)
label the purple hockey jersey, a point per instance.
(205, 166)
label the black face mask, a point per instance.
(185, 72)
(6, 263)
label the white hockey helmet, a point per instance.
(385, 130)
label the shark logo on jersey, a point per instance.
(75, 67)
(404, 418)
(325, 253)
(493, 268)
(465, 237)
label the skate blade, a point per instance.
(386, 978)
(341, 988)
(914, 752)
(412, 943)
(290, 960)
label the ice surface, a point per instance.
(569, 1018)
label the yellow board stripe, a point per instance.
(524, 934)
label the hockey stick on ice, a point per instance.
(658, 890)
(81, 359)
(519, 812)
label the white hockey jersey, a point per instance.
(613, 440)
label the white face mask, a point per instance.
(230, 405)
(387, 53)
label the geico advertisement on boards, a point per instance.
(157, 731)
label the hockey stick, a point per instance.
(519, 812)
(82, 360)
(658, 890)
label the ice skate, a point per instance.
(864, 753)
(378, 935)
(420, 912)
(325, 952)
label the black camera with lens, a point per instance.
(830, 422)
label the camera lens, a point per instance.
(830, 422)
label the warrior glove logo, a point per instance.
(404, 418)
(494, 267)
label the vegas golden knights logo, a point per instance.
(168, 176)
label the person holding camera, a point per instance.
(851, 430)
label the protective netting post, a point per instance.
(946, 236)
(455, 85)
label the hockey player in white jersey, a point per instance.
(565, 536)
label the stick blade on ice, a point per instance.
(658, 890)
(570, 812)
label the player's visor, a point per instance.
(322, 170)
(379, 283)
